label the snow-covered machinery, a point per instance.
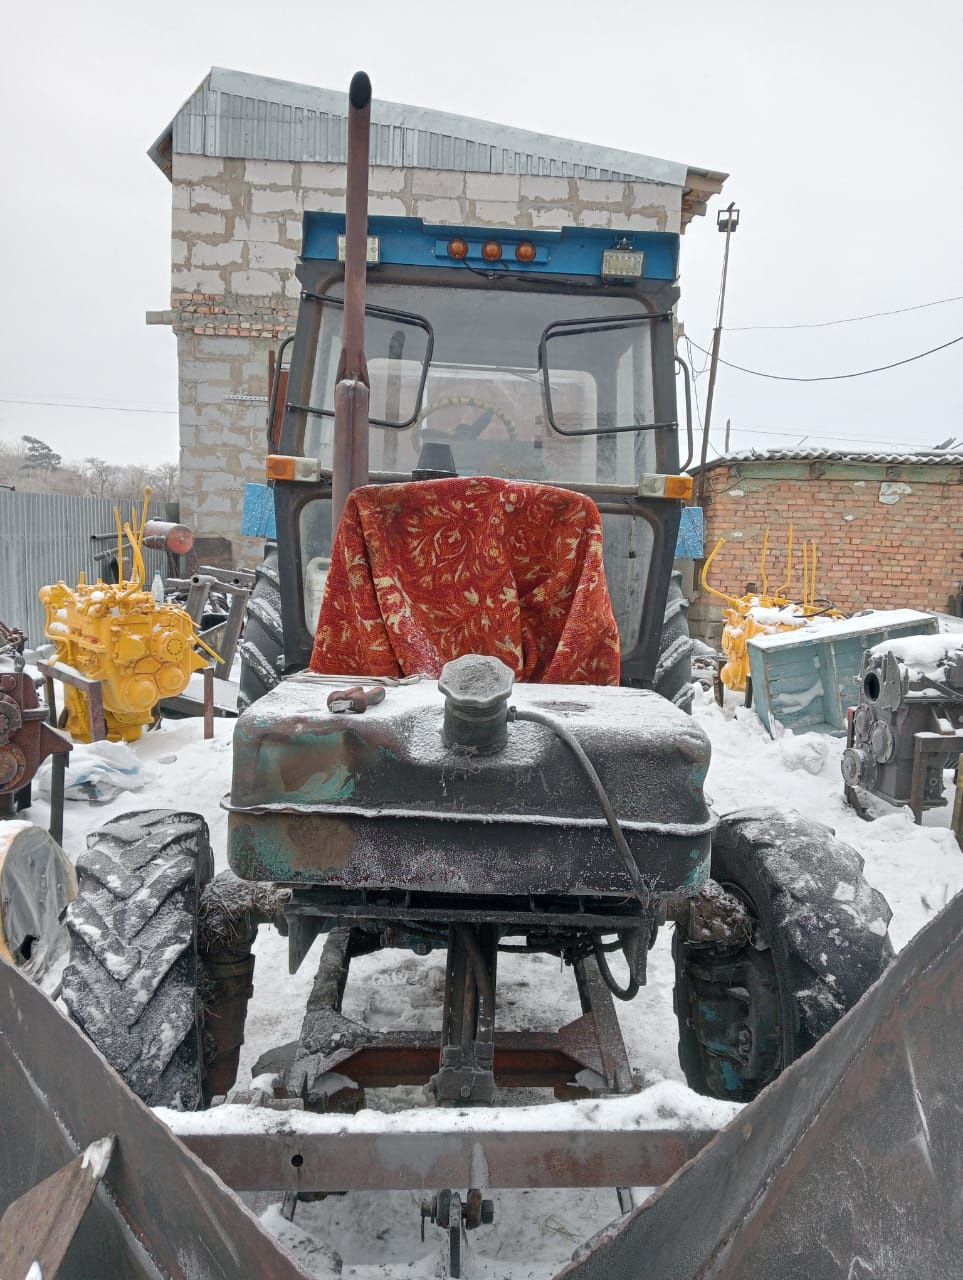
(764, 613)
(420, 795)
(138, 648)
(908, 726)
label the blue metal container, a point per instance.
(806, 679)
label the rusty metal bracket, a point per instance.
(929, 750)
(335, 1059)
(27, 739)
(91, 689)
(36, 1230)
(166, 1214)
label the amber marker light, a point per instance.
(458, 249)
(662, 486)
(491, 251)
(525, 252)
(281, 466)
(678, 486)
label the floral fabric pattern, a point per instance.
(425, 572)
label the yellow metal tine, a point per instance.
(704, 578)
(762, 566)
(120, 545)
(805, 581)
(137, 571)
(786, 588)
(143, 519)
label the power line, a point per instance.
(833, 377)
(106, 408)
(808, 435)
(826, 324)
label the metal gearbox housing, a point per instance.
(906, 729)
(140, 651)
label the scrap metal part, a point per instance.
(36, 1230)
(26, 739)
(159, 1213)
(907, 728)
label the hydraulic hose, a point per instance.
(536, 717)
(631, 949)
(483, 978)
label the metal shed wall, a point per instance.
(45, 537)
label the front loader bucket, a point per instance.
(159, 1212)
(848, 1167)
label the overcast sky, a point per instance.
(839, 121)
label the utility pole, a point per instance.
(727, 221)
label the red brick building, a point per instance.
(888, 527)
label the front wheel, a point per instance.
(817, 940)
(133, 978)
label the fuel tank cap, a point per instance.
(476, 690)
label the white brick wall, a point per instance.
(236, 233)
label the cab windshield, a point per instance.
(484, 396)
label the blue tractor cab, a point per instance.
(545, 356)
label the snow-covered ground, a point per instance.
(372, 1236)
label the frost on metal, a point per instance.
(96, 1158)
(230, 906)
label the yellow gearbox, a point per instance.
(140, 650)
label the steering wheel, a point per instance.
(465, 430)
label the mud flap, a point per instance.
(847, 1167)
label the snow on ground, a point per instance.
(376, 1236)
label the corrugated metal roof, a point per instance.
(235, 114)
(906, 458)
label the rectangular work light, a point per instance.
(372, 253)
(622, 264)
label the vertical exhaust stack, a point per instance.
(350, 467)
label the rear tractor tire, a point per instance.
(132, 984)
(818, 941)
(262, 643)
(673, 671)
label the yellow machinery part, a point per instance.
(139, 650)
(118, 634)
(740, 624)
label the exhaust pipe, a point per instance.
(350, 460)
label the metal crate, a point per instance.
(805, 680)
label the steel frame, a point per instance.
(334, 1058)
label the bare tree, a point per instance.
(165, 481)
(99, 475)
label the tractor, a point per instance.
(452, 804)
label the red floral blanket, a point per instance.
(428, 571)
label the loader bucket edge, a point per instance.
(847, 1167)
(159, 1211)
